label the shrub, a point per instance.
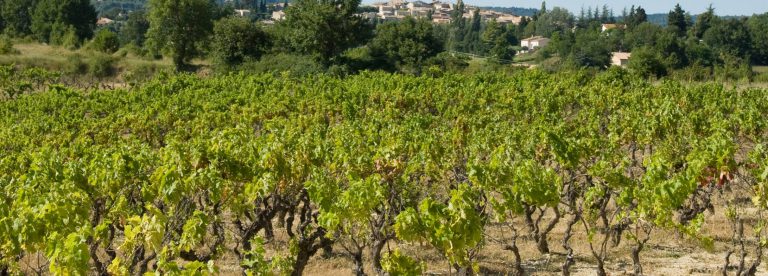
(6, 46)
(105, 41)
(101, 66)
(140, 73)
(449, 62)
(75, 65)
(733, 68)
(646, 62)
(296, 65)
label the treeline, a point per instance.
(686, 48)
(331, 36)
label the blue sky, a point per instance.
(722, 7)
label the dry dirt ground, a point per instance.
(666, 253)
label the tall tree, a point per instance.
(730, 36)
(2, 21)
(17, 15)
(323, 28)
(558, 19)
(678, 21)
(498, 41)
(458, 28)
(704, 22)
(757, 25)
(639, 17)
(135, 29)
(179, 28)
(472, 43)
(52, 18)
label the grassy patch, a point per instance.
(31, 54)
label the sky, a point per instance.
(722, 7)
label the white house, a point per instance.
(534, 42)
(620, 59)
(278, 15)
(242, 13)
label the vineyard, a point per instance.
(392, 174)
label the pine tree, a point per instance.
(677, 20)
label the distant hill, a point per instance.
(103, 6)
(513, 10)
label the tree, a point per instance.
(590, 50)
(2, 21)
(457, 29)
(498, 41)
(731, 36)
(405, 45)
(106, 41)
(53, 18)
(678, 21)
(558, 19)
(135, 29)
(472, 43)
(757, 25)
(645, 34)
(179, 28)
(17, 15)
(636, 17)
(646, 62)
(237, 39)
(703, 22)
(323, 28)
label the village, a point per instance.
(438, 12)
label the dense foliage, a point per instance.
(179, 28)
(174, 175)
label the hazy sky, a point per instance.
(722, 7)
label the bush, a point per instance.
(733, 68)
(65, 36)
(105, 41)
(646, 62)
(101, 66)
(448, 62)
(694, 72)
(6, 46)
(135, 50)
(296, 65)
(75, 65)
(140, 73)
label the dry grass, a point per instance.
(55, 58)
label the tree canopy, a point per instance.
(406, 44)
(323, 28)
(52, 19)
(179, 28)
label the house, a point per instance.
(242, 13)
(103, 21)
(534, 42)
(278, 15)
(386, 11)
(508, 18)
(418, 4)
(607, 27)
(620, 59)
(442, 6)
